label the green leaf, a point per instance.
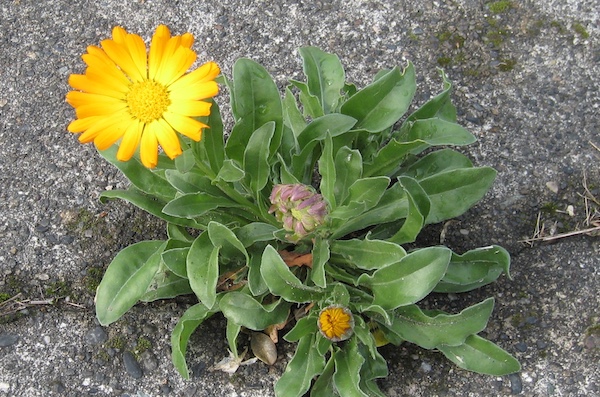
(363, 195)
(320, 257)
(148, 204)
(255, 232)
(333, 124)
(302, 368)
(192, 182)
(368, 254)
(324, 386)
(325, 76)
(194, 205)
(474, 269)
(410, 323)
(435, 163)
(327, 171)
(255, 102)
(392, 206)
(166, 285)
(436, 132)
(191, 319)
(390, 157)
(346, 377)
(213, 138)
(203, 269)
(452, 193)
(141, 177)
(310, 103)
(292, 116)
(221, 236)
(383, 102)
(482, 356)
(256, 283)
(348, 168)
(233, 331)
(438, 106)
(126, 279)
(373, 368)
(186, 161)
(176, 232)
(282, 282)
(256, 156)
(230, 172)
(418, 209)
(244, 310)
(410, 279)
(175, 260)
(303, 327)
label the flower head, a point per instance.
(299, 208)
(140, 97)
(336, 323)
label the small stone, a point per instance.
(516, 384)
(591, 341)
(425, 367)
(190, 391)
(96, 336)
(148, 361)
(8, 339)
(4, 387)
(165, 390)
(42, 276)
(522, 347)
(131, 365)
(553, 186)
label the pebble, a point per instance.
(522, 347)
(516, 384)
(4, 387)
(131, 365)
(8, 339)
(96, 336)
(425, 367)
(148, 361)
(165, 390)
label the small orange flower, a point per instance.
(336, 323)
(141, 97)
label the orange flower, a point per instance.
(140, 97)
(336, 323)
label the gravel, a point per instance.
(525, 84)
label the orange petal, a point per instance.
(149, 148)
(85, 83)
(110, 135)
(80, 125)
(100, 109)
(99, 127)
(78, 98)
(185, 125)
(187, 39)
(196, 91)
(137, 50)
(120, 55)
(207, 72)
(167, 138)
(130, 140)
(189, 108)
(157, 47)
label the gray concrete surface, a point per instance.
(526, 84)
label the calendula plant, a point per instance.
(297, 221)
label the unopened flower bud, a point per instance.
(299, 208)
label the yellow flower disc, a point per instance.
(147, 100)
(336, 323)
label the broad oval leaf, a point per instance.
(255, 232)
(418, 209)
(482, 356)
(302, 368)
(126, 279)
(474, 269)
(282, 282)
(452, 193)
(410, 279)
(368, 254)
(166, 285)
(194, 205)
(363, 195)
(435, 162)
(383, 102)
(203, 269)
(348, 168)
(346, 377)
(437, 132)
(256, 156)
(429, 331)
(191, 319)
(325, 76)
(246, 311)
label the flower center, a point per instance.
(147, 100)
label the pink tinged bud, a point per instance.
(299, 208)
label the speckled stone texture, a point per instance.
(526, 84)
